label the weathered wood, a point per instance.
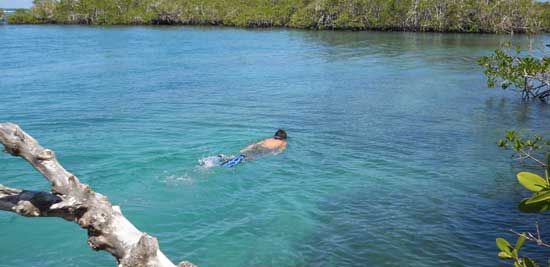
(107, 227)
(30, 203)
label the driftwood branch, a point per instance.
(71, 200)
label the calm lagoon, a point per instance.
(391, 161)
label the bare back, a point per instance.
(265, 146)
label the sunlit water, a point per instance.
(391, 159)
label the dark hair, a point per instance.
(280, 134)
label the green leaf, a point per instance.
(528, 262)
(533, 208)
(531, 181)
(539, 197)
(520, 241)
(511, 135)
(504, 246)
(504, 255)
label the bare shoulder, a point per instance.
(273, 143)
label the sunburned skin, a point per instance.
(265, 146)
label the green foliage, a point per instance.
(532, 182)
(529, 75)
(412, 15)
(347, 21)
(539, 201)
(507, 252)
(304, 19)
(504, 247)
(22, 16)
(513, 140)
(533, 208)
(544, 16)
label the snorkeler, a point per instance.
(275, 144)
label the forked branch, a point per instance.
(71, 200)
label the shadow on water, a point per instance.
(409, 48)
(401, 231)
(513, 113)
(410, 41)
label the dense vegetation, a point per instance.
(410, 15)
(527, 74)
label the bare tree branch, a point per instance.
(107, 228)
(527, 154)
(531, 237)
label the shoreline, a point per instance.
(267, 28)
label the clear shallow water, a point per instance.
(391, 161)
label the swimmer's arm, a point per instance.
(281, 148)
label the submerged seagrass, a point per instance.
(409, 15)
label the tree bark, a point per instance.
(71, 200)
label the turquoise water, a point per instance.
(391, 159)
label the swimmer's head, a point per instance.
(280, 135)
